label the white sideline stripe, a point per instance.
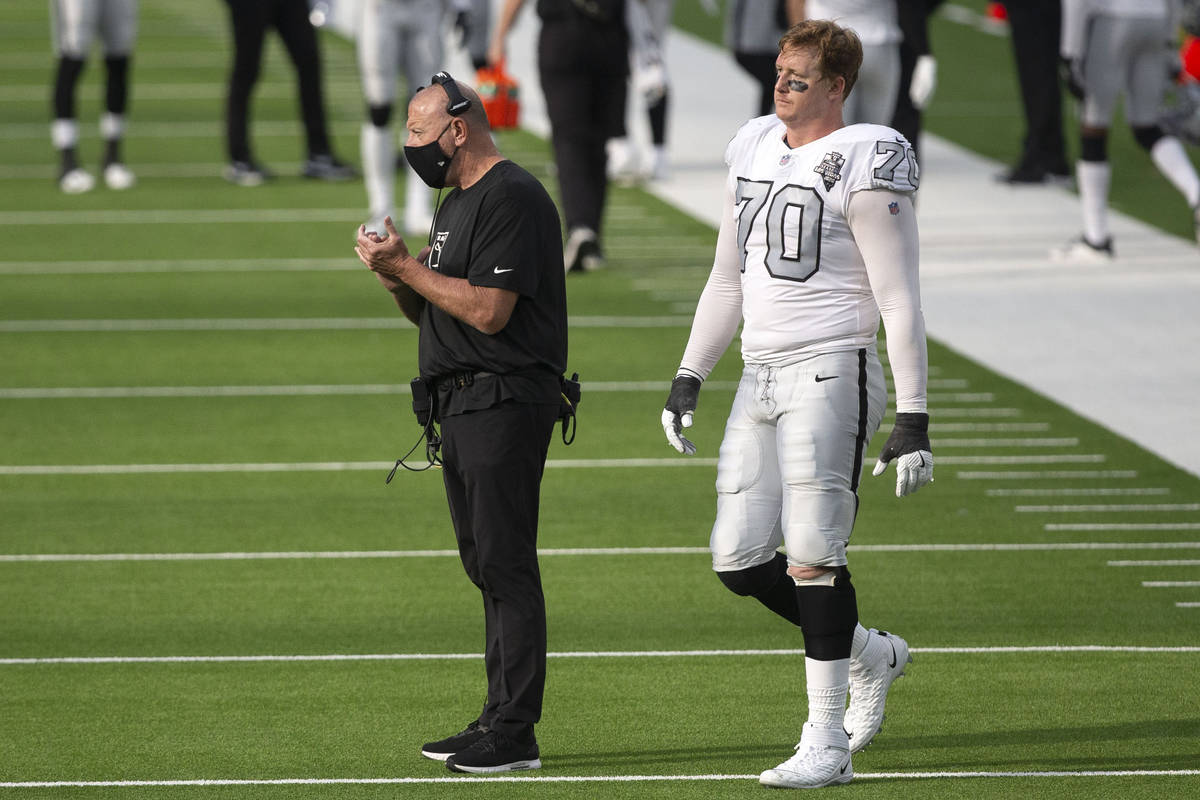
(21, 93)
(960, 397)
(1064, 458)
(1171, 584)
(14, 558)
(981, 413)
(1183, 562)
(1123, 526)
(291, 324)
(1103, 509)
(351, 466)
(583, 654)
(163, 216)
(325, 466)
(76, 392)
(866, 776)
(183, 265)
(1035, 475)
(1187, 605)
(988, 427)
(1074, 492)
(187, 130)
(1070, 441)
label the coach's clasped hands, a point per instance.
(681, 406)
(909, 445)
(384, 254)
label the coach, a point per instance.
(489, 298)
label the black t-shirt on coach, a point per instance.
(503, 232)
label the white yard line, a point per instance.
(1067, 441)
(1123, 526)
(1107, 509)
(1075, 492)
(298, 390)
(580, 654)
(324, 466)
(182, 265)
(291, 324)
(973, 547)
(533, 779)
(1183, 562)
(1171, 584)
(1038, 475)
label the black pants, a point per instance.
(492, 462)
(583, 67)
(250, 19)
(761, 67)
(1036, 27)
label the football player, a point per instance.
(648, 21)
(74, 26)
(395, 34)
(818, 239)
(1110, 48)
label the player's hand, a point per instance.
(924, 81)
(908, 444)
(680, 408)
(1071, 70)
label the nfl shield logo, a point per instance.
(893, 208)
(784, 159)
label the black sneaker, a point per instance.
(247, 173)
(327, 168)
(444, 748)
(495, 752)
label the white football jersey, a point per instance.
(804, 284)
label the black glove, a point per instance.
(909, 445)
(1071, 71)
(462, 26)
(677, 415)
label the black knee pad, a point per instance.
(753, 581)
(69, 70)
(1147, 136)
(1093, 147)
(380, 115)
(829, 615)
(116, 90)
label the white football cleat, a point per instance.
(1081, 251)
(77, 181)
(822, 759)
(118, 177)
(882, 660)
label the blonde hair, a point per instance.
(838, 50)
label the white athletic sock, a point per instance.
(379, 170)
(828, 682)
(1094, 178)
(1172, 161)
(112, 126)
(64, 133)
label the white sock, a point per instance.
(112, 126)
(828, 682)
(1094, 178)
(379, 169)
(64, 133)
(1172, 161)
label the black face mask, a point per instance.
(429, 162)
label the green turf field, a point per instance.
(207, 589)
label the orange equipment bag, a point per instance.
(499, 93)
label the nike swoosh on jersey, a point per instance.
(826, 378)
(499, 271)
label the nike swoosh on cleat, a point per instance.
(844, 768)
(893, 664)
(826, 378)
